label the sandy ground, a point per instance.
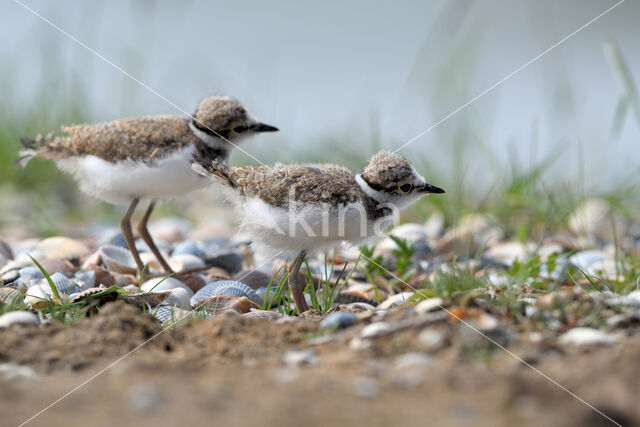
(229, 370)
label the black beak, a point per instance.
(263, 127)
(428, 188)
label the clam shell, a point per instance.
(117, 259)
(38, 296)
(180, 297)
(14, 317)
(225, 288)
(10, 295)
(147, 299)
(158, 284)
(90, 295)
(219, 304)
(169, 314)
(63, 284)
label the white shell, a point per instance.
(37, 295)
(18, 317)
(164, 284)
(185, 262)
(179, 297)
(117, 259)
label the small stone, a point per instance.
(413, 361)
(144, 397)
(359, 344)
(587, 336)
(431, 339)
(410, 232)
(376, 329)
(593, 218)
(185, 262)
(300, 357)
(366, 387)
(188, 247)
(229, 260)
(61, 248)
(31, 271)
(256, 279)
(430, 304)
(11, 371)
(15, 317)
(5, 250)
(434, 225)
(338, 320)
(396, 299)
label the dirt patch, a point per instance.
(229, 370)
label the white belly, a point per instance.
(119, 183)
(313, 228)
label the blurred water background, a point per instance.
(341, 80)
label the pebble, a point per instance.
(359, 344)
(255, 279)
(376, 329)
(434, 225)
(413, 361)
(11, 371)
(300, 357)
(587, 336)
(410, 232)
(31, 271)
(593, 217)
(5, 250)
(188, 247)
(338, 320)
(14, 317)
(366, 387)
(61, 248)
(508, 252)
(228, 260)
(430, 304)
(431, 339)
(396, 299)
(184, 262)
(144, 397)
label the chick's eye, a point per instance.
(238, 129)
(405, 188)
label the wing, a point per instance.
(302, 183)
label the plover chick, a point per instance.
(307, 207)
(124, 161)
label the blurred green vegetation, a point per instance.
(517, 195)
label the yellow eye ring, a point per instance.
(405, 188)
(238, 129)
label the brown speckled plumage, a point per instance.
(140, 138)
(145, 139)
(307, 183)
(385, 168)
(312, 183)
